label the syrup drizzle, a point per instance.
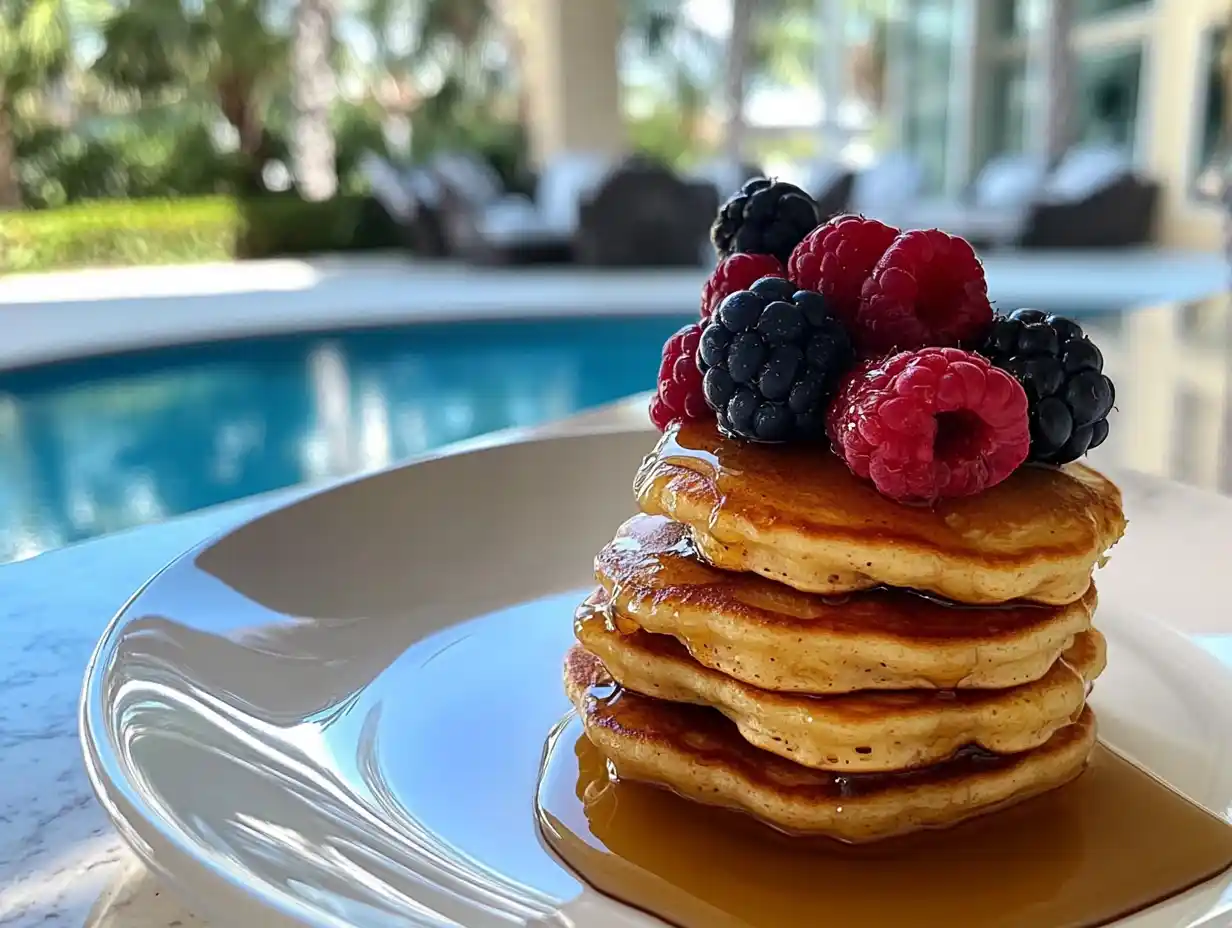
(1110, 843)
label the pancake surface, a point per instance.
(697, 753)
(857, 732)
(778, 638)
(799, 516)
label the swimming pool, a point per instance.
(95, 446)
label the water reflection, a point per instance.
(1171, 366)
(92, 447)
(97, 446)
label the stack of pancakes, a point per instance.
(773, 635)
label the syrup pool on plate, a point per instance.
(1110, 843)
(452, 746)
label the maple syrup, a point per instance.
(1110, 843)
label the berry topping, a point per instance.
(838, 257)
(771, 356)
(1063, 373)
(767, 217)
(931, 423)
(737, 272)
(679, 395)
(928, 289)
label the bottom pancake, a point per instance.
(699, 754)
(867, 732)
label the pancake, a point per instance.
(698, 753)
(864, 732)
(777, 638)
(799, 516)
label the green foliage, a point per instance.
(181, 231)
(502, 143)
(661, 135)
(34, 45)
(154, 232)
(129, 160)
(158, 156)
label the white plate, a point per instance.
(251, 721)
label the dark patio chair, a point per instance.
(1120, 213)
(516, 229)
(832, 187)
(411, 198)
(645, 215)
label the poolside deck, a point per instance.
(52, 316)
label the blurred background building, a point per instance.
(1082, 145)
(132, 99)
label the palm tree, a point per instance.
(1058, 122)
(736, 77)
(682, 53)
(223, 51)
(35, 48)
(313, 147)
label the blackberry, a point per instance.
(770, 358)
(767, 217)
(1069, 395)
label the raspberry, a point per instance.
(928, 289)
(1062, 371)
(737, 272)
(836, 258)
(931, 423)
(766, 217)
(772, 356)
(679, 395)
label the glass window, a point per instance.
(1211, 143)
(1016, 17)
(1107, 84)
(1093, 9)
(1005, 122)
(929, 45)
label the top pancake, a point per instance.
(799, 516)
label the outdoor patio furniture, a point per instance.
(515, 229)
(1093, 199)
(993, 210)
(645, 215)
(885, 188)
(832, 186)
(411, 198)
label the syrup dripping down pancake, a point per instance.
(696, 752)
(799, 516)
(872, 731)
(777, 638)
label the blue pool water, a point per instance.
(94, 446)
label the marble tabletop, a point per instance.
(61, 862)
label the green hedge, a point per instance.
(182, 231)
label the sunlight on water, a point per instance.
(97, 446)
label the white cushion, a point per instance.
(565, 182)
(885, 187)
(387, 186)
(982, 223)
(471, 177)
(1085, 170)
(1009, 182)
(820, 176)
(510, 215)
